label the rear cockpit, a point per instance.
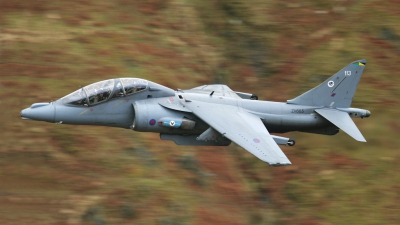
(104, 90)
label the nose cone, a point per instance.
(39, 111)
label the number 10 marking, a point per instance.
(347, 73)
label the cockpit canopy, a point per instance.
(104, 90)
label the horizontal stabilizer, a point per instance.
(343, 121)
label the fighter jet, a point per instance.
(212, 115)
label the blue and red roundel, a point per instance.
(152, 122)
(256, 140)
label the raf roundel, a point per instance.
(256, 140)
(152, 122)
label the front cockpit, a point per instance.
(108, 103)
(104, 90)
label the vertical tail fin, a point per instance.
(337, 91)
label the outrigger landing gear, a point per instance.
(291, 142)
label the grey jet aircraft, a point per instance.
(212, 115)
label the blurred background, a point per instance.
(62, 174)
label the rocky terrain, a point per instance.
(61, 174)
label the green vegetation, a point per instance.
(60, 174)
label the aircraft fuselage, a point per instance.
(277, 117)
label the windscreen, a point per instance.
(76, 98)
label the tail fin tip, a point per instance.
(337, 91)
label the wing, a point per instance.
(216, 89)
(243, 128)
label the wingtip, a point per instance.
(359, 138)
